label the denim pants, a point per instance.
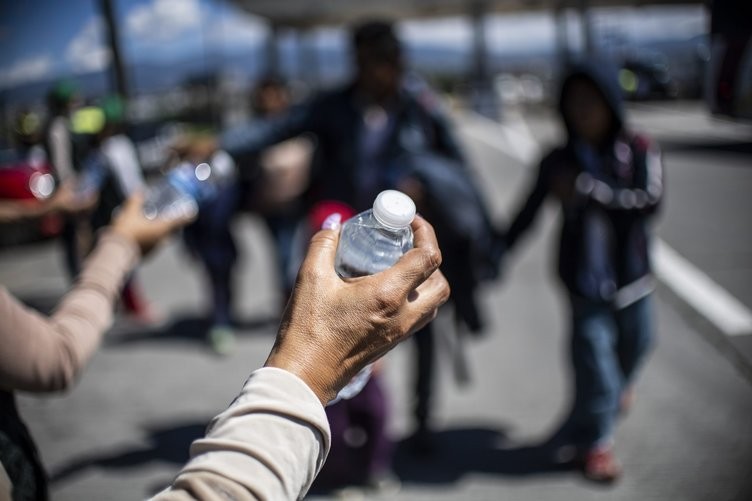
(607, 348)
(211, 239)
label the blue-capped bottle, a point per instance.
(370, 242)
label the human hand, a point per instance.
(333, 328)
(146, 233)
(65, 199)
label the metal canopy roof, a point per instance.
(310, 13)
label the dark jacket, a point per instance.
(604, 243)
(419, 143)
(334, 119)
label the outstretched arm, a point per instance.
(64, 200)
(42, 354)
(273, 439)
(529, 210)
(253, 137)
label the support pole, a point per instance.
(587, 28)
(117, 68)
(483, 98)
(562, 34)
(272, 52)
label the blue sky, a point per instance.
(44, 39)
(49, 38)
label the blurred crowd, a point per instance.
(294, 165)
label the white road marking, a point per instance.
(688, 282)
(704, 295)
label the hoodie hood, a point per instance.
(603, 75)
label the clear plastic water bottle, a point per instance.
(180, 193)
(371, 242)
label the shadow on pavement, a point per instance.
(459, 451)
(479, 449)
(736, 147)
(185, 327)
(165, 444)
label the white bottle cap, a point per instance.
(394, 209)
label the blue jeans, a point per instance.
(211, 239)
(608, 347)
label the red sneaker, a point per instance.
(600, 465)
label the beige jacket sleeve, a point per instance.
(268, 445)
(42, 354)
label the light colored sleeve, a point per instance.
(42, 354)
(61, 149)
(268, 445)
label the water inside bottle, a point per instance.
(366, 247)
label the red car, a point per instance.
(30, 179)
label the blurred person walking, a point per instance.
(61, 101)
(609, 182)
(376, 133)
(210, 239)
(110, 168)
(58, 143)
(122, 159)
(118, 148)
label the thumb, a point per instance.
(131, 206)
(319, 259)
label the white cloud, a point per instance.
(27, 70)
(87, 51)
(520, 32)
(163, 20)
(503, 33)
(234, 30)
(448, 31)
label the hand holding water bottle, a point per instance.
(131, 223)
(333, 328)
(372, 242)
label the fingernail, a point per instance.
(332, 222)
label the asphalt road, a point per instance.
(124, 431)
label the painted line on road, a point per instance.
(703, 294)
(687, 281)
